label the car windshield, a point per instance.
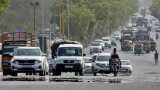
(103, 58)
(69, 51)
(125, 63)
(27, 52)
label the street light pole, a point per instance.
(34, 5)
(68, 19)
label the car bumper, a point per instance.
(102, 70)
(26, 68)
(69, 67)
(125, 70)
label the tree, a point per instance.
(96, 18)
(155, 8)
(3, 5)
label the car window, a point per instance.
(103, 58)
(27, 52)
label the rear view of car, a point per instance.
(101, 63)
(107, 42)
(126, 67)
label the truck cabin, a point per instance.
(56, 44)
(70, 50)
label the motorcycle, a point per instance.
(115, 66)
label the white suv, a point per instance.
(101, 63)
(69, 59)
(29, 60)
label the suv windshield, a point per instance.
(103, 58)
(27, 52)
(69, 51)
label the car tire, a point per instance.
(58, 73)
(81, 72)
(41, 73)
(14, 74)
(5, 73)
(94, 74)
(76, 73)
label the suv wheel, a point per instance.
(94, 74)
(76, 73)
(5, 73)
(14, 73)
(81, 72)
(58, 73)
(42, 73)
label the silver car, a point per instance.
(101, 63)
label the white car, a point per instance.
(95, 49)
(107, 41)
(126, 67)
(88, 65)
(29, 60)
(101, 63)
(116, 36)
(101, 42)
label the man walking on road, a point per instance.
(156, 57)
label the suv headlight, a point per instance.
(15, 62)
(37, 62)
(77, 61)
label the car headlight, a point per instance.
(77, 61)
(37, 62)
(15, 62)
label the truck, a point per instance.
(143, 37)
(68, 57)
(126, 40)
(10, 41)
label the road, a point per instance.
(146, 76)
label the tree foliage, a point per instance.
(3, 5)
(155, 8)
(90, 19)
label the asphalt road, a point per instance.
(146, 76)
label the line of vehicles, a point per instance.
(21, 54)
(137, 37)
(98, 61)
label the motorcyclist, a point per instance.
(114, 56)
(156, 57)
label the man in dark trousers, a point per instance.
(156, 57)
(114, 56)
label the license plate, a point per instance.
(26, 66)
(67, 66)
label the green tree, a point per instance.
(155, 8)
(91, 19)
(3, 5)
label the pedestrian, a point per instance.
(156, 57)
